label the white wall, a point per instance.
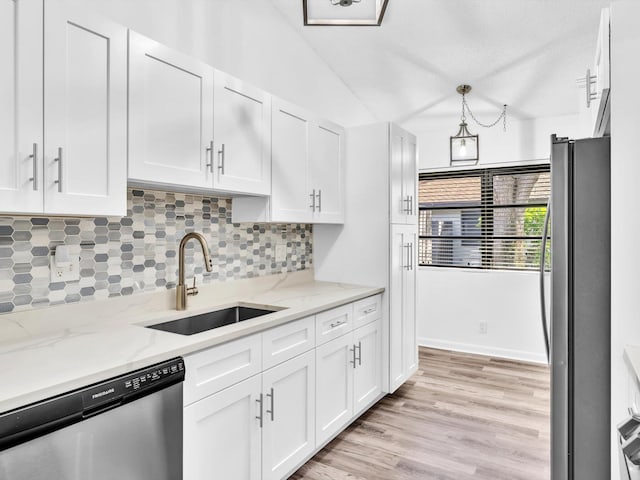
(524, 140)
(625, 172)
(453, 302)
(248, 39)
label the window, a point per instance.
(487, 219)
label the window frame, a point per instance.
(486, 207)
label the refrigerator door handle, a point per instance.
(543, 259)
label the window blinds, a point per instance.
(488, 219)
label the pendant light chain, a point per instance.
(503, 115)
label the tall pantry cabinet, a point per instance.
(377, 245)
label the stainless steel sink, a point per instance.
(208, 321)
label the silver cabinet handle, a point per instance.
(407, 265)
(313, 200)
(590, 80)
(270, 395)
(407, 202)
(260, 417)
(411, 205)
(337, 324)
(319, 201)
(59, 160)
(359, 347)
(34, 156)
(353, 362)
(369, 310)
(209, 155)
(221, 159)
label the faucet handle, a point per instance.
(192, 290)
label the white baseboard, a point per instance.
(484, 350)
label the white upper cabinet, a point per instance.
(242, 136)
(85, 98)
(327, 172)
(81, 170)
(307, 171)
(21, 99)
(170, 116)
(403, 173)
(291, 196)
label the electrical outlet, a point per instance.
(281, 252)
(63, 266)
(483, 327)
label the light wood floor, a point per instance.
(459, 417)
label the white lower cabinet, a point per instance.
(334, 386)
(222, 435)
(288, 434)
(256, 408)
(348, 378)
(403, 345)
(367, 374)
(260, 428)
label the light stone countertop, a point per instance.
(46, 352)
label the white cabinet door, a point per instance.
(242, 136)
(410, 176)
(397, 259)
(85, 105)
(335, 364)
(410, 341)
(326, 173)
(288, 434)
(291, 196)
(367, 376)
(170, 116)
(398, 201)
(402, 299)
(403, 176)
(222, 436)
(21, 99)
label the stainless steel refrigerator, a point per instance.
(580, 309)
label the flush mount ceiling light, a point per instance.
(464, 146)
(343, 12)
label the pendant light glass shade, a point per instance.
(464, 147)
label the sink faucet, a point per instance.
(181, 290)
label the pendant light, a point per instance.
(464, 146)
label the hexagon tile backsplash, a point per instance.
(122, 256)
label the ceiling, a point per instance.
(525, 53)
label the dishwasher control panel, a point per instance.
(149, 377)
(140, 382)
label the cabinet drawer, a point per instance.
(286, 341)
(367, 310)
(333, 323)
(219, 367)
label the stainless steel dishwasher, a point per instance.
(125, 428)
